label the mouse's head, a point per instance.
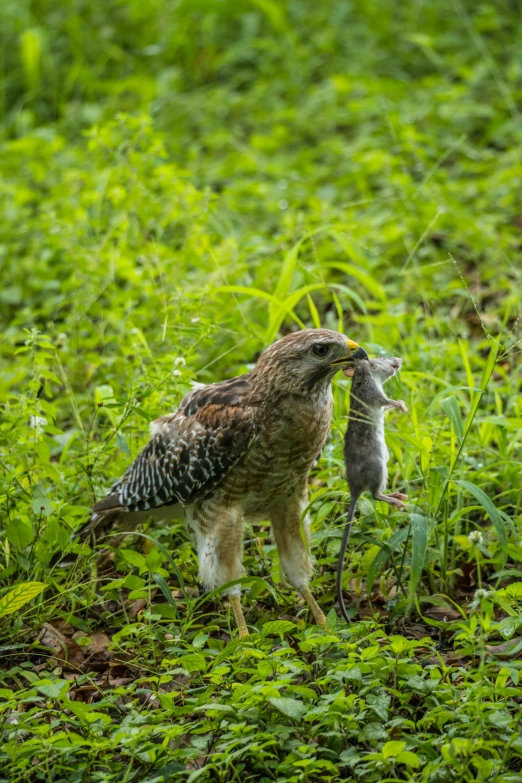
(385, 368)
(381, 369)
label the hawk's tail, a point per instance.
(98, 523)
(104, 513)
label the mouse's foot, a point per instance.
(391, 499)
(399, 404)
(399, 496)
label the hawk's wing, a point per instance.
(190, 452)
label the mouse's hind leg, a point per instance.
(391, 499)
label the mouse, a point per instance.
(365, 452)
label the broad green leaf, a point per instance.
(133, 582)
(502, 677)
(165, 553)
(392, 749)
(409, 758)
(122, 444)
(398, 644)
(53, 689)
(19, 596)
(43, 506)
(105, 401)
(277, 628)
(255, 590)
(217, 707)
(292, 708)
(154, 560)
(165, 610)
(19, 533)
(135, 594)
(134, 559)
(193, 662)
(512, 591)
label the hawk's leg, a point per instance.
(220, 545)
(239, 617)
(292, 539)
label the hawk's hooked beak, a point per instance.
(356, 352)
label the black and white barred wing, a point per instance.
(185, 459)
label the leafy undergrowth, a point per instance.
(183, 182)
(183, 700)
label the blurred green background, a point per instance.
(181, 183)
(199, 140)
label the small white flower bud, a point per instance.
(475, 537)
(37, 422)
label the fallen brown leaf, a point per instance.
(115, 682)
(506, 649)
(84, 693)
(99, 642)
(122, 660)
(67, 652)
(444, 614)
(416, 630)
(136, 607)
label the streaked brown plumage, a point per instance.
(242, 448)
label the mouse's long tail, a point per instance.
(342, 553)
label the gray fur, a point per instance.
(365, 452)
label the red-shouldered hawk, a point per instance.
(242, 448)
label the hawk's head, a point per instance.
(307, 359)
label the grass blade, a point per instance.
(451, 408)
(316, 320)
(387, 549)
(366, 280)
(490, 509)
(486, 376)
(419, 546)
(163, 586)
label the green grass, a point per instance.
(181, 183)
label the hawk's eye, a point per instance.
(320, 349)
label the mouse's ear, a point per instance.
(349, 372)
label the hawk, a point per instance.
(241, 449)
